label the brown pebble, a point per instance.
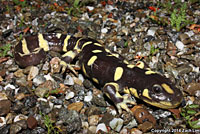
(3, 72)
(77, 106)
(32, 122)
(4, 107)
(192, 88)
(142, 115)
(146, 126)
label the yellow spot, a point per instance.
(150, 72)
(117, 94)
(115, 55)
(125, 61)
(24, 47)
(95, 80)
(118, 73)
(167, 89)
(97, 44)
(76, 46)
(58, 35)
(145, 93)
(43, 43)
(114, 84)
(130, 66)
(140, 64)
(69, 54)
(107, 50)
(97, 51)
(126, 90)
(63, 63)
(91, 60)
(134, 92)
(84, 71)
(87, 43)
(162, 104)
(166, 103)
(66, 43)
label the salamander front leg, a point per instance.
(112, 91)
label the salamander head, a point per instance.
(160, 92)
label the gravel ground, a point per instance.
(39, 99)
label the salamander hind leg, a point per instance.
(67, 58)
(112, 92)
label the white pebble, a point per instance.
(116, 124)
(33, 73)
(151, 31)
(104, 30)
(102, 127)
(9, 86)
(69, 95)
(80, 76)
(90, 8)
(20, 117)
(88, 98)
(48, 77)
(68, 80)
(180, 45)
(2, 121)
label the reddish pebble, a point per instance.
(32, 122)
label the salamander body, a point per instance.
(110, 70)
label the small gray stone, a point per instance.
(68, 80)
(39, 79)
(41, 91)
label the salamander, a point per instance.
(109, 70)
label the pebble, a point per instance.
(69, 95)
(93, 129)
(136, 131)
(152, 31)
(77, 106)
(180, 45)
(32, 122)
(71, 119)
(18, 126)
(20, 96)
(101, 127)
(77, 81)
(104, 30)
(131, 124)
(22, 82)
(19, 73)
(39, 79)
(3, 96)
(2, 121)
(20, 117)
(93, 120)
(5, 106)
(69, 80)
(45, 66)
(55, 65)
(33, 73)
(116, 124)
(192, 88)
(185, 39)
(146, 126)
(88, 98)
(41, 91)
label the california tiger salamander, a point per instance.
(109, 70)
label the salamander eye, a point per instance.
(156, 88)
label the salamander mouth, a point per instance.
(163, 104)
